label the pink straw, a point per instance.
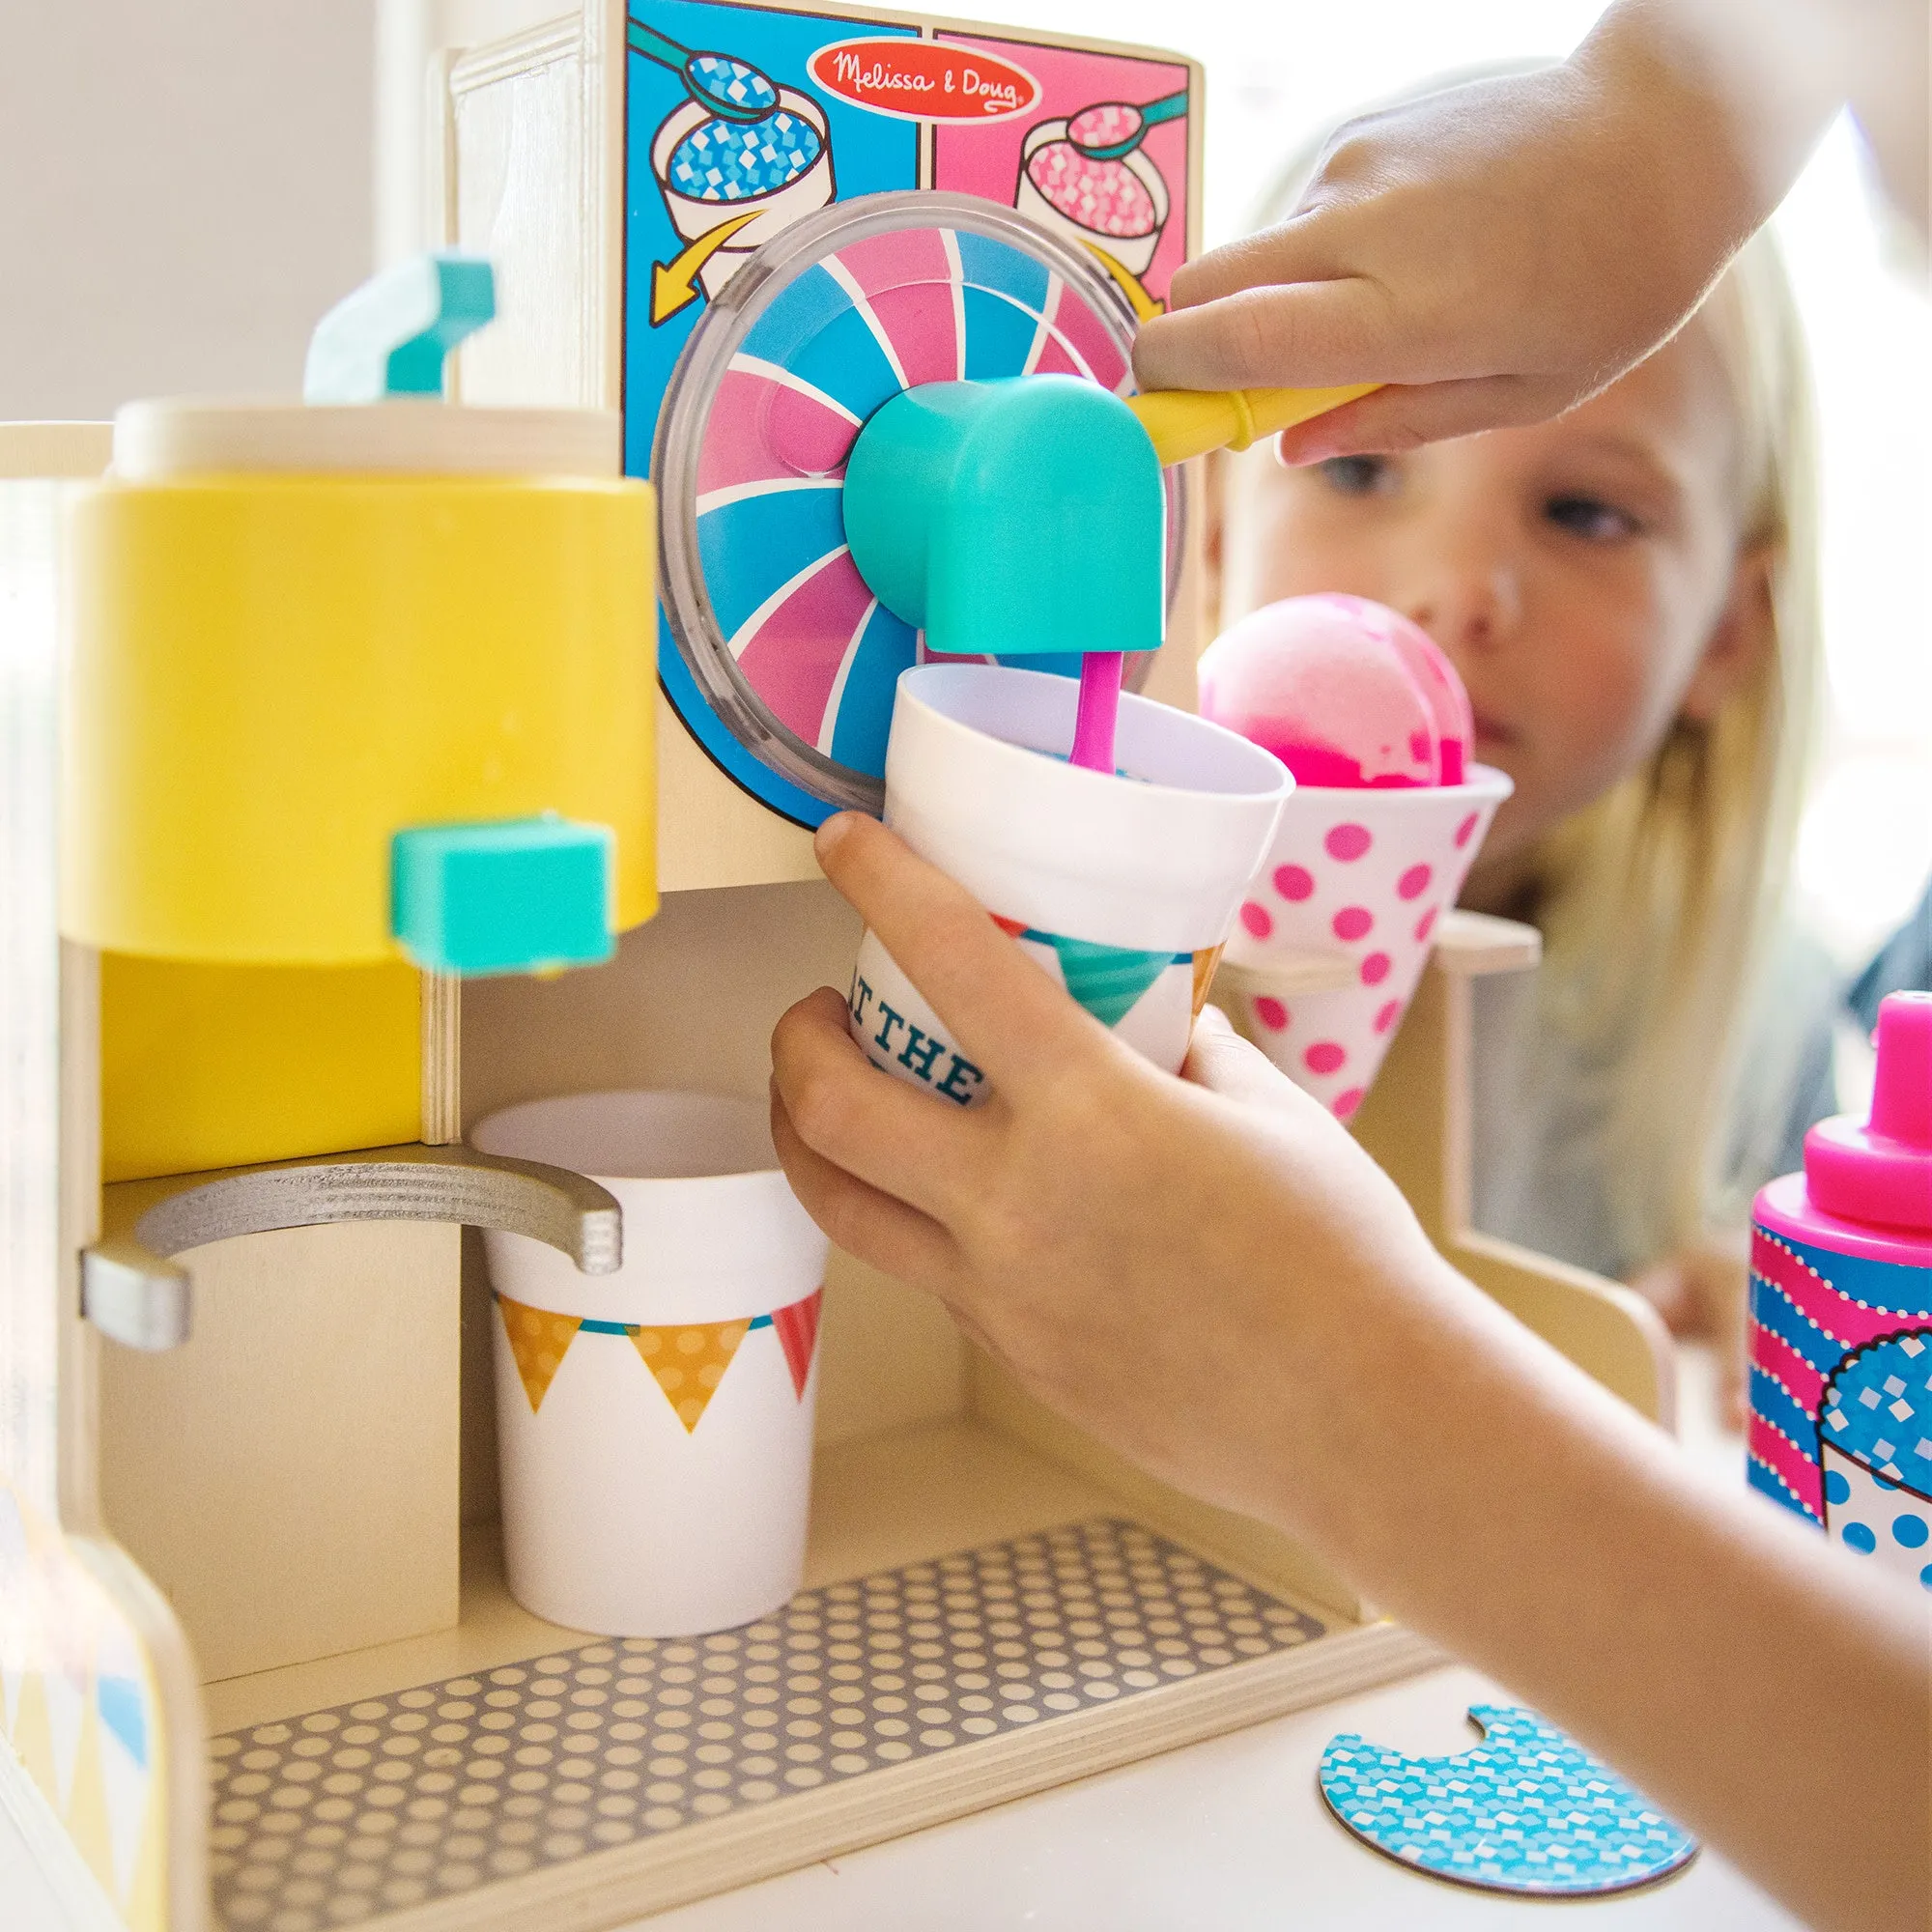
(1100, 710)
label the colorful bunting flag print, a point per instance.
(688, 1362)
(1106, 979)
(1204, 963)
(797, 1329)
(686, 1359)
(539, 1341)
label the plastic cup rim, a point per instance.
(1026, 760)
(736, 1176)
(1482, 781)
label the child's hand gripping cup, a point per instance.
(1123, 885)
(1374, 842)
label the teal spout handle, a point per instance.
(389, 336)
(1007, 518)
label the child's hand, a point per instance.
(1502, 250)
(1210, 1275)
(1164, 1261)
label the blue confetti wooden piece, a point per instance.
(1527, 1810)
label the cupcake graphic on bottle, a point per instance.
(1875, 1441)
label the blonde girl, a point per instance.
(1628, 592)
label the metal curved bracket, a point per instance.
(133, 1290)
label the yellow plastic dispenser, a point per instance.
(299, 632)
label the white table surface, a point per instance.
(1222, 1837)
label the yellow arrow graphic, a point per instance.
(673, 282)
(1145, 306)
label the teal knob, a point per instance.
(389, 337)
(506, 895)
(1014, 518)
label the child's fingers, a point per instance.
(1313, 334)
(1007, 1014)
(894, 1238)
(1264, 260)
(1293, 334)
(1403, 417)
(1222, 1061)
(892, 1136)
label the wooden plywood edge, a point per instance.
(182, 1747)
(1477, 942)
(84, 1907)
(181, 1750)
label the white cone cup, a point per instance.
(1360, 876)
(1123, 888)
(618, 1517)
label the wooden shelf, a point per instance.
(877, 1502)
(952, 1554)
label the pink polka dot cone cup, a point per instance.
(1362, 876)
(1374, 842)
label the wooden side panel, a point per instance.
(29, 994)
(288, 1475)
(114, 1811)
(517, 124)
(1416, 1122)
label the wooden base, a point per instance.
(882, 1504)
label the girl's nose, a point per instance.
(1468, 603)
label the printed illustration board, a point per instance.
(742, 397)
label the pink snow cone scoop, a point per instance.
(1374, 842)
(1347, 693)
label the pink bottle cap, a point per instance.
(1882, 1173)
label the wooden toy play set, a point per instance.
(335, 733)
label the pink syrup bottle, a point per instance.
(1841, 1315)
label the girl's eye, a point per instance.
(1359, 476)
(1592, 519)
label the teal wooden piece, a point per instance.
(514, 895)
(389, 336)
(1011, 518)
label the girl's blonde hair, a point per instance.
(1658, 901)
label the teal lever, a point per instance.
(1014, 518)
(508, 896)
(389, 337)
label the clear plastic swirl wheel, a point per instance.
(777, 656)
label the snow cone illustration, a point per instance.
(1089, 177)
(1875, 1442)
(738, 161)
(1374, 842)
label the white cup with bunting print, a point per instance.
(1120, 886)
(654, 1426)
